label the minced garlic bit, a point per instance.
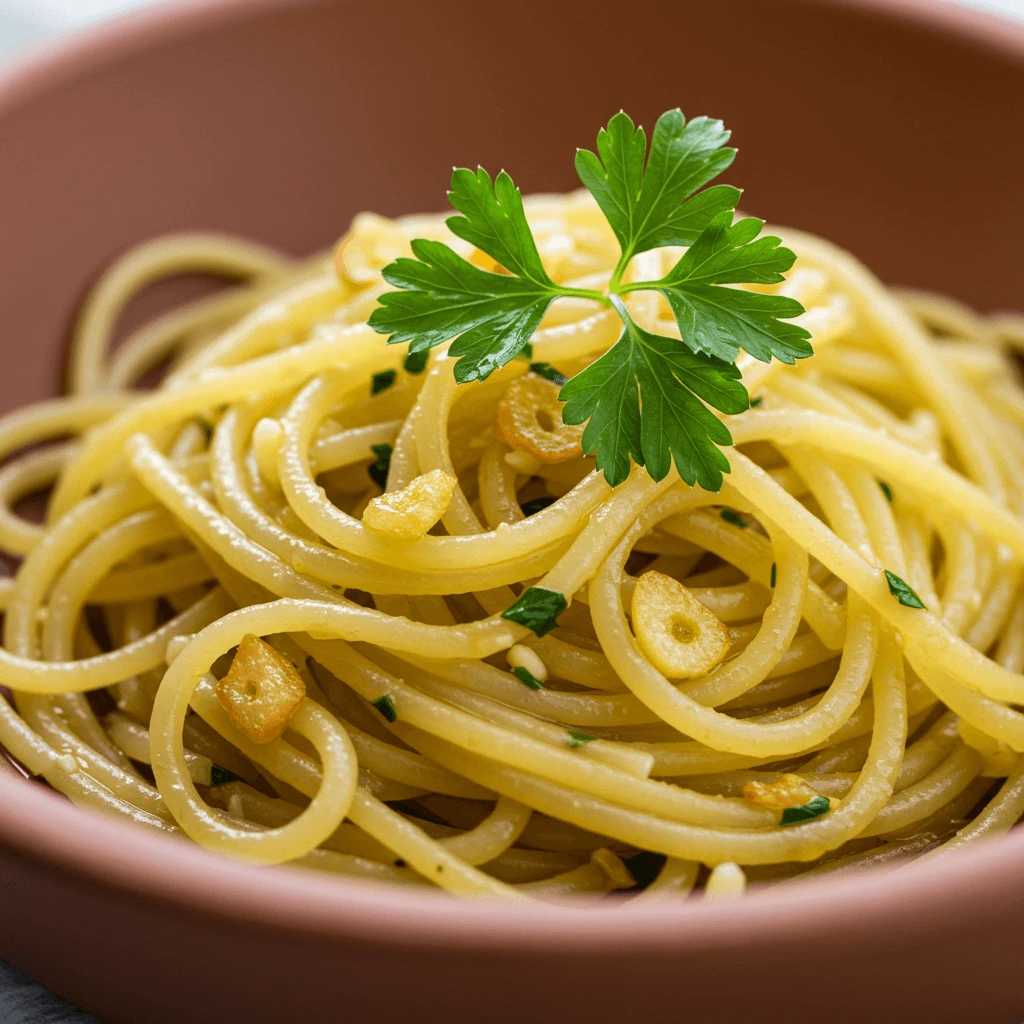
(530, 420)
(261, 690)
(520, 656)
(413, 510)
(611, 864)
(726, 882)
(786, 791)
(679, 636)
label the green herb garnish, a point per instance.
(886, 490)
(527, 678)
(535, 505)
(386, 706)
(901, 591)
(526, 352)
(646, 399)
(221, 776)
(812, 809)
(537, 609)
(548, 371)
(379, 470)
(382, 381)
(579, 739)
(772, 577)
(415, 362)
(733, 517)
(755, 402)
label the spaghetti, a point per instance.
(816, 669)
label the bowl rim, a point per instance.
(51, 833)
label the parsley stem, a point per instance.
(584, 293)
(615, 284)
(635, 286)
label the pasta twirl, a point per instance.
(860, 575)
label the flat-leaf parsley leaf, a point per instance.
(647, 398)
(720, 320)
(651, 206)
(670, 382)
(441, 296)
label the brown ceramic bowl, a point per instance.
(894, 129)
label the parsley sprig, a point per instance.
(647, 399)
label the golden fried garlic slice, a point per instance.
(679, 636)
(530, 420)
(261, 690)
(413, 510)
(786, 791)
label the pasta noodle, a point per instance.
(429, 740)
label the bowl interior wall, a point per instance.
(284, 124)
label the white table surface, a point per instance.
(23, 22)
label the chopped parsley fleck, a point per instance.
(755, 402)
(379, 470)
(579, 739)
(416, 362)
(902, 592)
(527, 678)
(526, 352)
(206, 427)
(886, 490)
(382, 381)
(535, 505)
(773, 575)
(812, 809)
(537, 609)
(221, 776)
(386, 706)
(547, 371)
(733, 517)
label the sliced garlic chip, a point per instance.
(530, 420)
(786, 791)
(678, 635)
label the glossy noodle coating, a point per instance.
(265, 609)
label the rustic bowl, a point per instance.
(893, 128)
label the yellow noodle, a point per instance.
(229, 501)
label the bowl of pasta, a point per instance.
(582, 601)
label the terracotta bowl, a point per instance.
(894, 129)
